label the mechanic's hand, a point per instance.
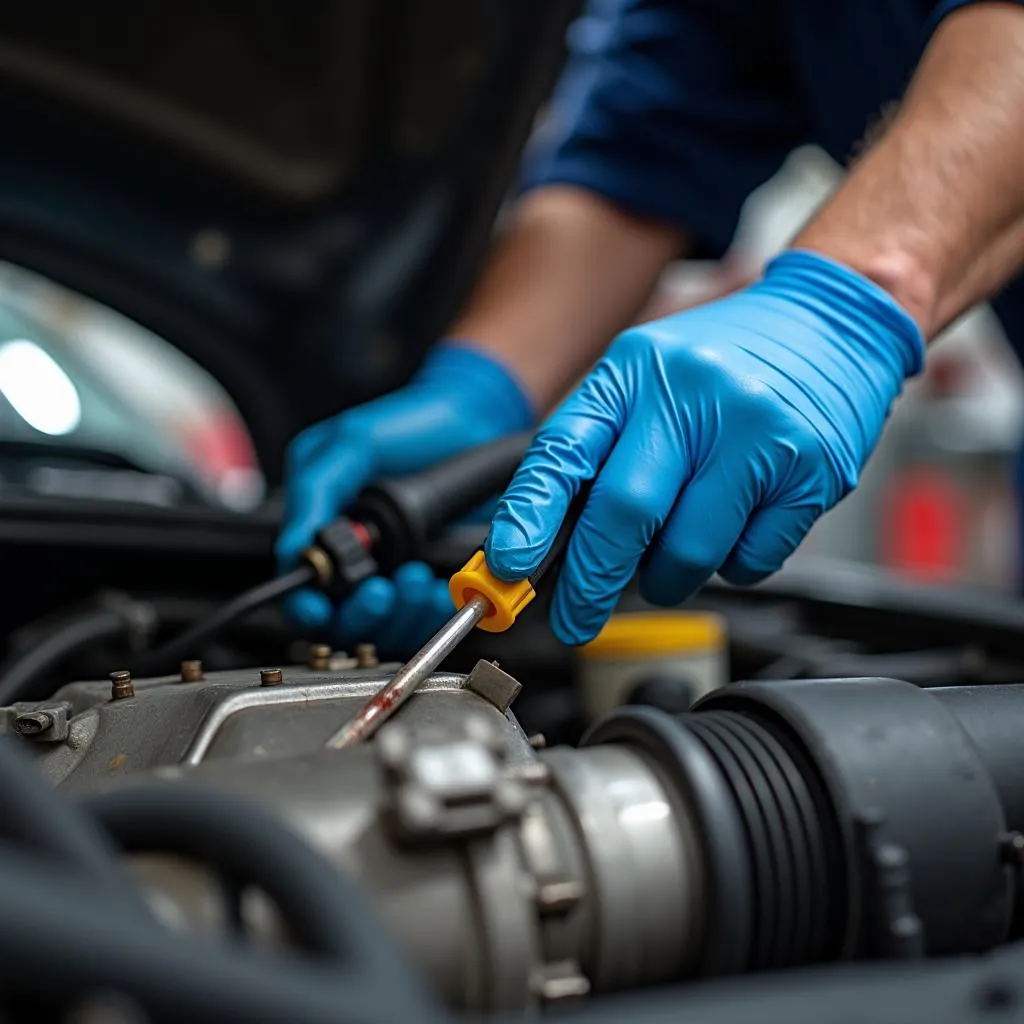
(717, 437)
(458, 400)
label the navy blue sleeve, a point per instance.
(949, 6)
(672, 109)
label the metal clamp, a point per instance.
(449, 783)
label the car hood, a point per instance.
(296, 196)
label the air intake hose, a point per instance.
(845, 818)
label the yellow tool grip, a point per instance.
(507, 599)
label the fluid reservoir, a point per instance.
(684, 649)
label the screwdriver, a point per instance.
(390, 522)
(482, 601)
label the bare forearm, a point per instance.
(935, 212)
(571, 272)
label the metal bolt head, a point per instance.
(271, 676)
(32, 723)
(121, 686)
(320, 657)
(366, 656)
(191, 671)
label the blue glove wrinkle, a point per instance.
(769, 539)
(704, 527)
(557, 463)
(631, 499)
(865, 309)
(724, 432)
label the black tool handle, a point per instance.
(405, 513)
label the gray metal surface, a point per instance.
(411, 675)
(515, 879)
(225, 715)
(643, 860)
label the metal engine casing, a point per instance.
(515, 877)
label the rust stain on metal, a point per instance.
(116, 762)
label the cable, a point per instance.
(392, 521)
(397, 517)
(79, 922)
(253, 847)
(19, 674)
(248, 601)
(33, 816)
(28, 675)
(60, 941)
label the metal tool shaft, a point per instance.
(406, 680)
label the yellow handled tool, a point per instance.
(482, 600)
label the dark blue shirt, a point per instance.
(679, 109)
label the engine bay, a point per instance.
(662, 864)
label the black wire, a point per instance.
(80, 631)
(61, 941)
(31, 815)
(187, 642)
(28, 675)
(76, 927)
(247, 843)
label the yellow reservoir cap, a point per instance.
(649, 634)
(507, 599)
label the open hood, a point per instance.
(296, 196)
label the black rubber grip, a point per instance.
(408, 512)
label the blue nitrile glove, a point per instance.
(459, 399)
(717, 437)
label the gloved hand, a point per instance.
(717, 436)
(459, 399)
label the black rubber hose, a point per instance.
(991, 716)
(79, 632)
(253, 848)
(23, 676)
(32, 816)
(185, 644)
(61, 941)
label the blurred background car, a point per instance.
(96, 406)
